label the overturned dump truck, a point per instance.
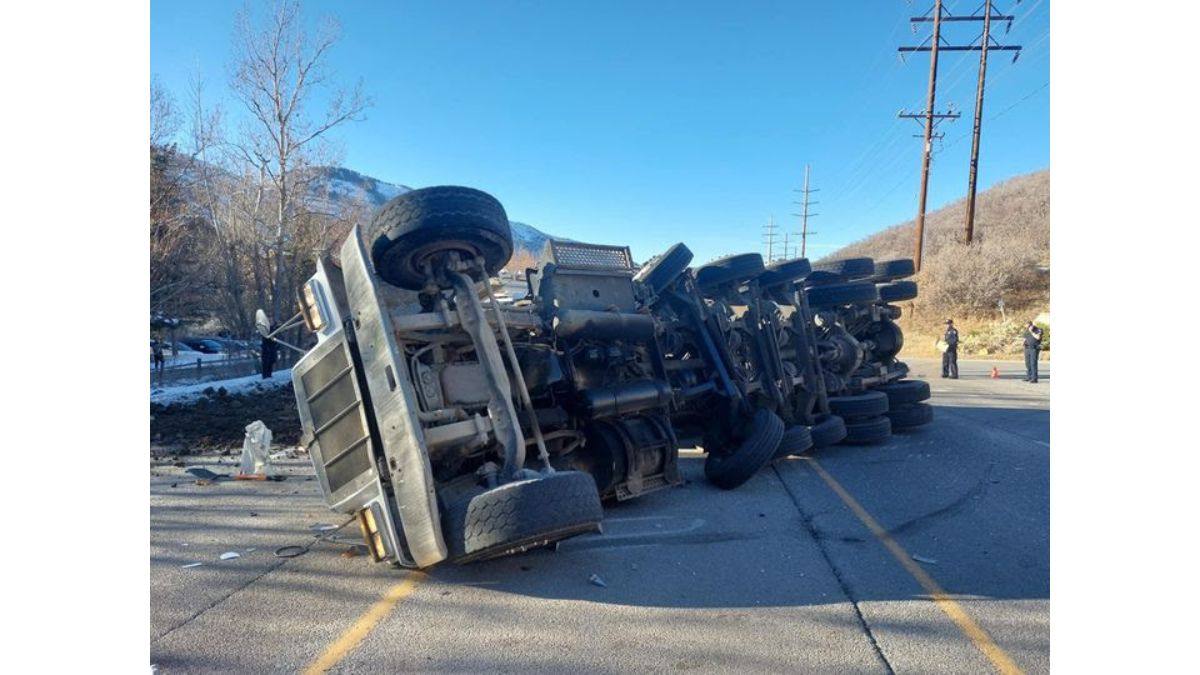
(457, 428)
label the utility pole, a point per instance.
(929, 117)
(804, 215)
(983, 44)
(769, 237)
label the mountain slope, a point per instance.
(1008, 262)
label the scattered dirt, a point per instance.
(218, 421)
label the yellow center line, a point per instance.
(356, 633)
(982, 641)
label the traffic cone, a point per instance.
(995, 373)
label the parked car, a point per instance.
(237, 348)
(205, 345)
(180, 354)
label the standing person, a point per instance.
(1033, 344)
(159, 359)
(950, 356)
(269, 352)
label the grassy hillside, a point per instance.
(1009, 263)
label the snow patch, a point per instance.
(186, 393)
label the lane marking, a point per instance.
(357, 632)
(978, 636)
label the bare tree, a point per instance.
(164, 115)
(175, 242)
(278, 70)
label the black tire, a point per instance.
(891, 270)
(911, 415)
(783, 272)
(897, 291)
(888, 339)
(522, 515)
(796, 440)
(728, 471)
(866, 404)
(664, 269)
(861, 292)
(868, 432)
(850, 268)
(742, 267)
(417, 225)
(823, 278)
(902, 392)
(828, 432)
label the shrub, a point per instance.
(997, 337)
(1006, 261)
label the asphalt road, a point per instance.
(926, 554)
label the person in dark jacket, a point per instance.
(950, 356)
(157, 352)
(269, 353)
(1033, 345)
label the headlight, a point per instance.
(313, 306)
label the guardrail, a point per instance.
(202, 370)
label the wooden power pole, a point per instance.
(984, 43)
(929, 116)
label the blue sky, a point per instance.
(649, 123)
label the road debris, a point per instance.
(287, 453)
(195, 564)
(206, 475)
(256, 450)
(923, 559)
(597, 581)
(230, 555)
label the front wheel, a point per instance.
(415, 229)
(522, 515)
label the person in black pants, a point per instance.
(269, 353)
(950, 356)
(1033, 344)
(159, 358)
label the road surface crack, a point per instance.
(962, 502)
(219, 600)
(837, 573)
(281, 562)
